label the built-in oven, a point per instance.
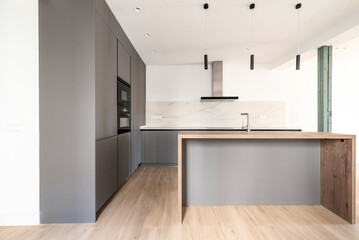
(123, 106)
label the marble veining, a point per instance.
(263, 114)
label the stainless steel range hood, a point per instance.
(217, 83)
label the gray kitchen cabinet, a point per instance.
(160, 147)
(167, 146)
(150, 148)
(106, 80)
(138, 147)
(135, 150)
(106, 170)
(135, 117)
(77, 85)
(123, 63)
(142, 95)
(142, 152)
(123, 157)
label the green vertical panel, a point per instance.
(325, 89)
(321, 88)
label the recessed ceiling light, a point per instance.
(137, 9)
(153, 51)
(147, 35)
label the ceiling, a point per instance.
(179, 36)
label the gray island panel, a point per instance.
(251, 172)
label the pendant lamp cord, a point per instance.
(298, 31)
(252, 24)
(205, 30)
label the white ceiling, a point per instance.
(178, 35)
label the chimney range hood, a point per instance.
(217, 83)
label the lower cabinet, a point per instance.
(150, 142)
(160, 147)
(123, 157)
(106, 170)
(135, 150)
(167, 147)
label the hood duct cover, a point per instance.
(217, 83)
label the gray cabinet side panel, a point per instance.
(167, 147)
(123, 157)
(150, 141)
(106, 80)
(123, 63)
(67, 111)
(106, 170)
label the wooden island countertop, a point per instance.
(261, 135)
(337, 164)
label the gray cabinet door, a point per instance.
(135, 150)
(123, 63)
(167, 146)
(106, 80)
(135, 120)
(142, 152)
(106, 170)
(123, 157)
(150, 148)
(142, 95)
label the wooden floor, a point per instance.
(146, 208)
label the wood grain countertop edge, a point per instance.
(261, 135)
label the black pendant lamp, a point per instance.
(251, 59)
(206, 6)
(206, 62)
(297, 59)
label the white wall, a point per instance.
(19, 112)
(345, 114)
(297, 88)
(177, 83)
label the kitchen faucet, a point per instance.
(246, 127)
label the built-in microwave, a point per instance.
(123, 106)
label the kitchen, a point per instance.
(93, 170)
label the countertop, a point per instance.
(261, 135)
(148, 128)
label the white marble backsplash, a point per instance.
(262, 114)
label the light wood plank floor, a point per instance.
(145, 208)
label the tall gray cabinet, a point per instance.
(106, 111)
(135, 119)
(142, 95)
(138, 110)
(115, 56)
(82, 159)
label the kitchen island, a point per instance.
(159, 144)
(267, 168)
